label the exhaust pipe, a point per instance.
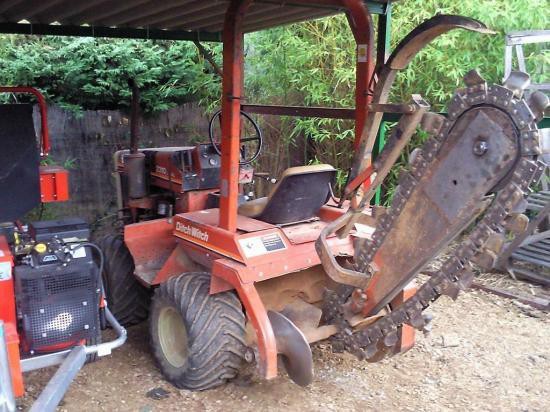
(135, 161)
(293, 347)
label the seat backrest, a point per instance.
(19, 162)
(299, 194)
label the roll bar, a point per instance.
(360, 21)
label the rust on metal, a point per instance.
(324, 112)
(300, 111)
(503, 172)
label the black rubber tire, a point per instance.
(127, 299)
(215, 329)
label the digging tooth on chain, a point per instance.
(399, 317)
(417, 321)
(455, 274)
(465, 279)
(449, 289)
(390, 340)
(371, 350)
(516, 223)
(360, 353)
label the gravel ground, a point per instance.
(484, 353)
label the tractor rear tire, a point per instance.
(127, 299)
(197, 339)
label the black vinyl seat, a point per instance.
(298, 195)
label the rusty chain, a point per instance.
(455, 274)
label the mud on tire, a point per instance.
(197, 339)
(128, 300)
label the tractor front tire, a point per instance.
(127, 299)
(197, 339)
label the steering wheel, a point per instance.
(244, 141)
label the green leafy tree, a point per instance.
(86, 73)
(439, 68)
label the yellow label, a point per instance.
(41, 248)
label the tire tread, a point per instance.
(127, 299)
(215, 327)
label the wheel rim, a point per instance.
(173, 337)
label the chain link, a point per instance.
(455, 273)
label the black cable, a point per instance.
(93, 246)
(102, 319)
(342, 198)
(332, 194)
(100, 254)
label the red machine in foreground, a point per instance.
(236, 279)
(51, 296)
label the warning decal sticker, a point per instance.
(260, 245)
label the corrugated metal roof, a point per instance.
(193, 19)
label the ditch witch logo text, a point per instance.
(192, 231)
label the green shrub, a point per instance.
(86, 73)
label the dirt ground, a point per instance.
(484, 353)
